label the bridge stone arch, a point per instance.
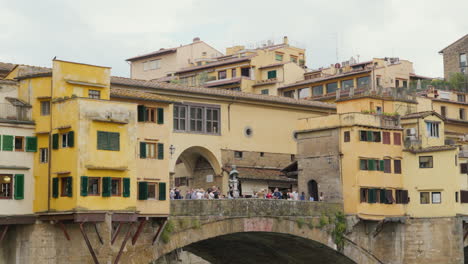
(198, 225)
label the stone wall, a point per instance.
(318, 159)
(255, 159)
(452, 57)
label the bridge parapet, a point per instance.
(252, 208)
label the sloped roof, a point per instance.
(217, 63)
(154, 53)
(457, 41)
(422, 115)
(139, 95)
(218, 92)
(325, 78)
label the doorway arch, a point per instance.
(312, 187)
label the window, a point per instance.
(245, 72)
(151, 65)
(94, 94)
(443, 111)
(370, 136)
(265, 91)
(152, 191)
(94, 186)
(378, 81)
(463, 196)
(116, 187)
(238, 154)
(180, 113)
(347, 136)
(19, 143)
(233, 73)
(378, 110)
(424, 197)
(436, 198)
(196, 119)
(425, 162)
(293, 58)
(387, 166)
(6, 186)
(401, 196)
(202, 119)
(462, 114)
(363, 82)
(66, 186)
(371, 164)
(278, 57)
(464, 168)
(234, 89)
(331, 87)
(317, 90)
(405, 84)
(221, 75)
(180, 181)
(64, 138)
(108, 140)
(397, 166)
(463, 60)
(461, 98)
(347, 84)
(397, 83)
(396, 138)
(271, 74)
(374, 195)
(386, 137)
(45, 108)
(304, 93)
(289, 94)
(43, 155)
(147, 150)
(150, 114)
(262, 154)
(432, 129)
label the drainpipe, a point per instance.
(49, 166)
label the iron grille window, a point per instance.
(94, 94)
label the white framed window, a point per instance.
(64, 138)
(432, 129)
(45, 108)
(151, 65)
(43, 155)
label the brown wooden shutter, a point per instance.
(464, 196)
(386, 137)
(387, 166)
(397, 166)
(464, 168)
(396, 138)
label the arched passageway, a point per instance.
(313, 189)
(265, 247)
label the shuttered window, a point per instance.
(66, 186)
(142, 113)
(371, 164)
(381, 165)
(7, 143)
(106, 186)
(19, 186)
(84, 186)
(55, 141)
(142, 150)
(464, 196)
(162, 191)
(387, 166)
(347, 136)
(464, 168)
(401, 196)
(363, 195)
(160, 115)
(126, 187)
(389, 197)
(396, 138)
(386, 137)
(31, 144)
(271, 74)
(363, 164)
(142, 190)
(372, 196)
(55, 187)
(160, 151)
(108, 140)
(397, 166)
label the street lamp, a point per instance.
(172, 150)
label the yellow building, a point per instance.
(260, 71)
(389, 75)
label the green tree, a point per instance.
(458, 81)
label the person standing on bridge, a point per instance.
(302, 196)
(277, 194)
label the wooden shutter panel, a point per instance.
(102, 141)
(397, 166)
(8, 143)
(160, 151)
(55, 187)
(71, 139)
(84, 185)
(372, 195)
(55, 141)
(160, 115)
(396, 138)
(141, 113)
(464, 196)
(377, 136)
(126, 187)
(381, 165)
(363, 164)
(370, 136)
(31, 144)
(386, 137)
(69, 186)
(142, 190)
(383, 198)
(19, 187)
(371, 164)
(405, 196)
(142, 150)
(362, 135)
(363, 195)
(114, 141)
(389, 197)
(464, 168)
(106, 186)
(162, 191)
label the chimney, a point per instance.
(196, 39)
(285, 40)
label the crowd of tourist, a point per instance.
(214, 193)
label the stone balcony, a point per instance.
(12, 113)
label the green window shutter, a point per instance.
(382, 196)
(126, 187)
(7, 143)
(102, 140)
(84, 185)
(0, 141)
(162, 191)
(142, 150)
(271, 74)
(372, 195)
(362, 135)
(69, 186)
(142, 190)
(106, 186)
(370, 136)
(160, 115)
(114, 141)
(19, 186)
(362, 164)
(31, 144)
(371, 164)
(55, 184)
(141, 113)
(382, 165)
(55, 141)
(160, 151)
(71, 138)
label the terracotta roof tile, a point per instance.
(217, 63)
(325, 78)
(422, 115)
(154, 53)
(223, 82)
(139, 95)
(218, 92)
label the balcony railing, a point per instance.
(15, 113)
(412, 143)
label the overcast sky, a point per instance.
(108, 32)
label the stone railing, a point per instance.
(252, 207)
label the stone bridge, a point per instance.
(223, 231)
